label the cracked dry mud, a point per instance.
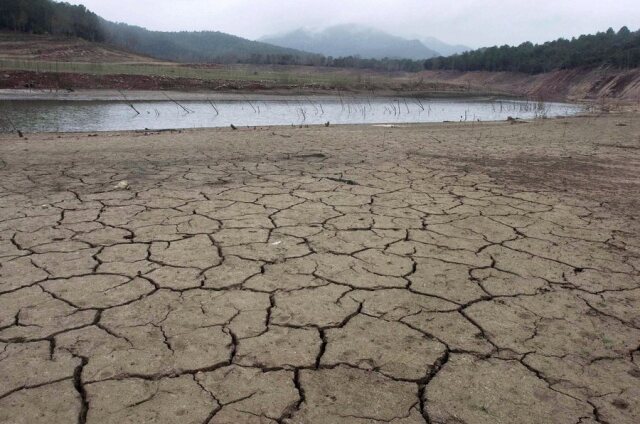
(479, 273)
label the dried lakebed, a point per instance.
(47, 115)
(485, 273)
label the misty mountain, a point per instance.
(353, 40)
(443, 48)
(201, 46)
(49, 17)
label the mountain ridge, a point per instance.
(445, 49)
(352, 40)
(201, 46)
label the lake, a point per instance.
(90, 116)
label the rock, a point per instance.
(122, 185)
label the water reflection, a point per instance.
(72, 116)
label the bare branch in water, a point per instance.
(251, 104)
(214, 107)
(174, 101)
(14, 127)
(128, 102)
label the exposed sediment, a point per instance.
(467, 273)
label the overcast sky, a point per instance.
(474, 23)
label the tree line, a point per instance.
(48, 17)
(617, 49)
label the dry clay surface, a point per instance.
(449, 274)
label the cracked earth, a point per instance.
(442, 274)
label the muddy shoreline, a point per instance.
(240, 95)
(557, 130)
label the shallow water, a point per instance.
(89, 116)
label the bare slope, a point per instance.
(22, 46)
(573, 84)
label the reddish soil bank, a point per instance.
(573, 84)
(10, 79)
(42, 80)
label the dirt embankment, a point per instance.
(572, 85)
(569, 84)
(383, 84)
(21, 46)
(79, 81)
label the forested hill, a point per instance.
(204, 46)
(49, 17)
(617, 49)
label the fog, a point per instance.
(475, 23)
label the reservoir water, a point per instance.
(89, 116)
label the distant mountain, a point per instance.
(353, 40)
(203, 46)
(443, 48)
(55, 18)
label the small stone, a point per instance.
(122, 185)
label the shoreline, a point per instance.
(621, 119)
(241, 128)
(114, 95)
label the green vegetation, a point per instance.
(48, 17)
(620, 50)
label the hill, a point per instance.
(617, 49)
(48, 17)
(54, 18)
(54, 48)
(602, 84)
(353, 40)
(201, 47)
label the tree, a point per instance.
(621, 50)
(48, 17)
